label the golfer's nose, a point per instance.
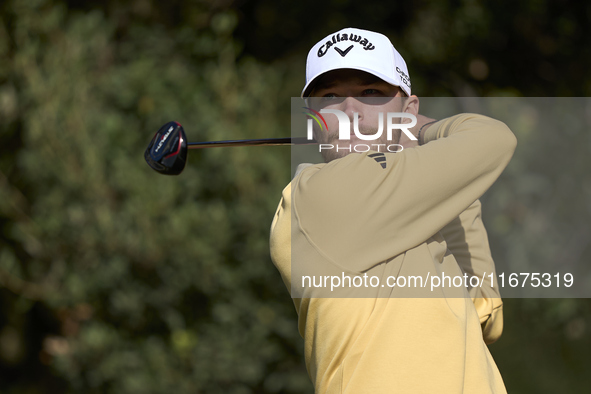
(351, 105)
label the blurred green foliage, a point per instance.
(117, 280)
(148, 284)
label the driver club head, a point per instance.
(167, 152)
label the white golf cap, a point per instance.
(359, 50)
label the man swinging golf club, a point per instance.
(387, 217)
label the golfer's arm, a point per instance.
(356, 201)
(467, 240)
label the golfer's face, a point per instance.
(353, 91)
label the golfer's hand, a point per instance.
(407, 142)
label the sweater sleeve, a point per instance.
(467, 240)
(357, 212)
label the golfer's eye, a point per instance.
(371, 92)
(328, 99)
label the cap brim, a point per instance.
(310, 85)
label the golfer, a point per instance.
(385, 217)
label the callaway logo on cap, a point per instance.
(360, 50)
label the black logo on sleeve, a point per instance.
(380, 158)
(343, 53)
(364, 42)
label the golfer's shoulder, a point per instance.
(322, 185)
(305, 171)
(337, 171)
(303, 166)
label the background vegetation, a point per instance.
(114, 279)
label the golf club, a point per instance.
(167, 152)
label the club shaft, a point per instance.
(257, 142)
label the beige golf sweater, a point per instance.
(416, 216)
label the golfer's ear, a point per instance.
(411, 105)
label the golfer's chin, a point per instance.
(353, 140)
